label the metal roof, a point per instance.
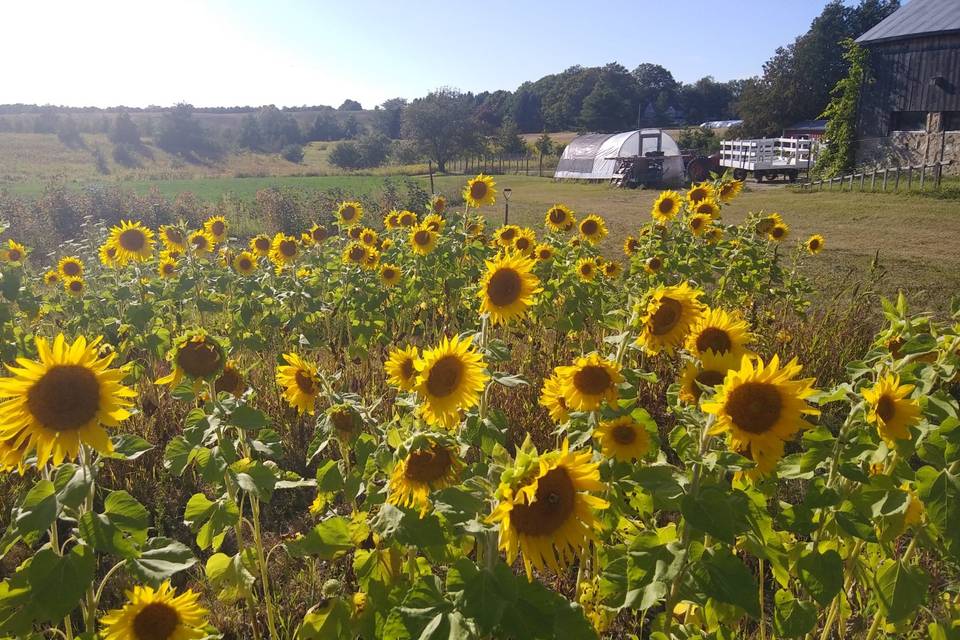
(808, 125)
(916, 18)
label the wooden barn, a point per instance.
(910, 111)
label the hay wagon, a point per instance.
(768, 158)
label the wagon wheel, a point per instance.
(698, 169)
(759, 175)
(739, 174)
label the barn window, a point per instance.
(951, 120)
(908, 121)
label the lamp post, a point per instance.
(506, 206)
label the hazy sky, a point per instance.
(295, 52)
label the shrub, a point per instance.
(293, 153)
(124, 154)
(346, 155)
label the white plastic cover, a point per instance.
(593, 156)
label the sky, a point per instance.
(295, 52)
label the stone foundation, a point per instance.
(911, 148)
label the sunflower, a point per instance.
(549, 519)
(476, 226)
(134, 242)
(653, 264)
(373, 259)
(630, 246)
(284, 250)
(63, 400)
(385, 244)
(701, 191)
(70, 267)
(698, 223)
(766, 223)
(391, 220)
(201, 243)
(710, 372)
(422, 240)
(707, 208)
(172, 237)
(450, 378)
(75, 286)
(156, 615)
(345, 420)
(390, 274)
(260, 244)
(814, 244)
(245, 263)
(195, 355)
(720, 332)
(779, 232)
(421, 471)
(480, 191)
(559, 217)
(622, 439)
(592, 228)
(108, 254)
(15, 252)
(407, 219)
(51, 278)
(761, 407)
(670, 313)
(729, 189)
(551, 397)
(216, 226)
(612, 269)
(890, 409)
(369, 237)
(438, 204)
(167, 268)
(713, 235)
(434, 222)
(349, 213)
(401, 369)
(589, 381)
(543, 252)
(230, 380)
(300, 382)
(356, 253)
(506, 234)
(526, 241)
(508, 287)
(587, 269)
(666, 207)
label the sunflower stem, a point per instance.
(55, 543)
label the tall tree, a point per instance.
(441, 124)
(389, 117)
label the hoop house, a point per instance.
(593, 156)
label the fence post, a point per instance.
(939, 171)
(884, 180)
(909, 178)
(896, 182)
(923, 175)
(863, 176)
(873, 180)
(430, 169)
(851, 182)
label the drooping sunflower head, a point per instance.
(559, 217)
(549, 518)
(709, 372)
(653, 264)
(708, 208)
(814, 244)
(349, 213)
(766, 223)
(450, 379)
(551, 397)
(590, 381)
(508, 288)
(369, 237)
(761, 406)
(260, 244)
(587, 269)
(158, 614)
(14, 252)
(401, 367)
(75, 286)
(779, 232)
(62, 400)
(434, 222)
(428, 466)
(230, 380)
(345, 421)
(407, 219)
(438, 204)
(133, 241)
(630, 245)
(216, 226)
(666, 206)
(720, 332)
(422, 240)
(391, 220)
(480, 191)
(390, 274)
(526, 241)
(544, 252)
(593, 229)
(354, 232)
(172, 237)
(698, 223)
(373, 259)
(245, 263)
(701, 191)
(476, 226)
(622, 439)
(729, 189)
(167, 268)
(70, 267)
(284, 250)
(51, 278)
(385, 244)
(713, 234)
(356, 253)
(890, 408)
(196, 355)
(612, 269)
(108, 254)
(670, 313)
(201, 243)
(300, 382)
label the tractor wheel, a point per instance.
(739, 174)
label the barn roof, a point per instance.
(916, 18)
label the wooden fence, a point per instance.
(878, 178)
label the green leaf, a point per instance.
(540, 613)
(327, 621)
(210, 519)
(406, 527)
(38, 509)
(721, 512)
(258, 480)
(329, 478)
(127, 514)
(159, 559)
(72, 483)
(229, 577)
(101, 534)
(900, 588)
(484, 594)
(821, 574)
(328, 540)
(248, 418)
(178, 455)
(793, 618)
(724, 577)
(128, 446)
(58, 583)
(940, 494)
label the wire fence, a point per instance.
(883, 179)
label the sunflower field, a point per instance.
(418, 424)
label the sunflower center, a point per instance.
(348, 212)
(168, 267)
(586, 269)
(262, 244)
(288, 248)
(427, 465)
(715, 339)
(444, 376)
(228, 381)
(174, 236)
(156, 621)
(504, 287)
(777, 232)
(76, 285)
(523, 244)
(550, 510)
(357, 254)
(406, 220)
(304, 382)
(319, 234)
(707, 378)
(389, 274)
(66, 398)
(666, 316)
(696, 223)
(478, 190)
(199, 359)
(422, 237)
(218, 228)
(754, 406)
(558, 216)
(654, 263)
(814, 244)
(407, 368)
(71, 269)
(343, 420)
(14, 255)
(508, 234)
(886, 408)
(698, 194)
(666, 205)
(133, 240)
(245, 264)
(199, 242)
(589, 227)
(623, 434)
(592, 380)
